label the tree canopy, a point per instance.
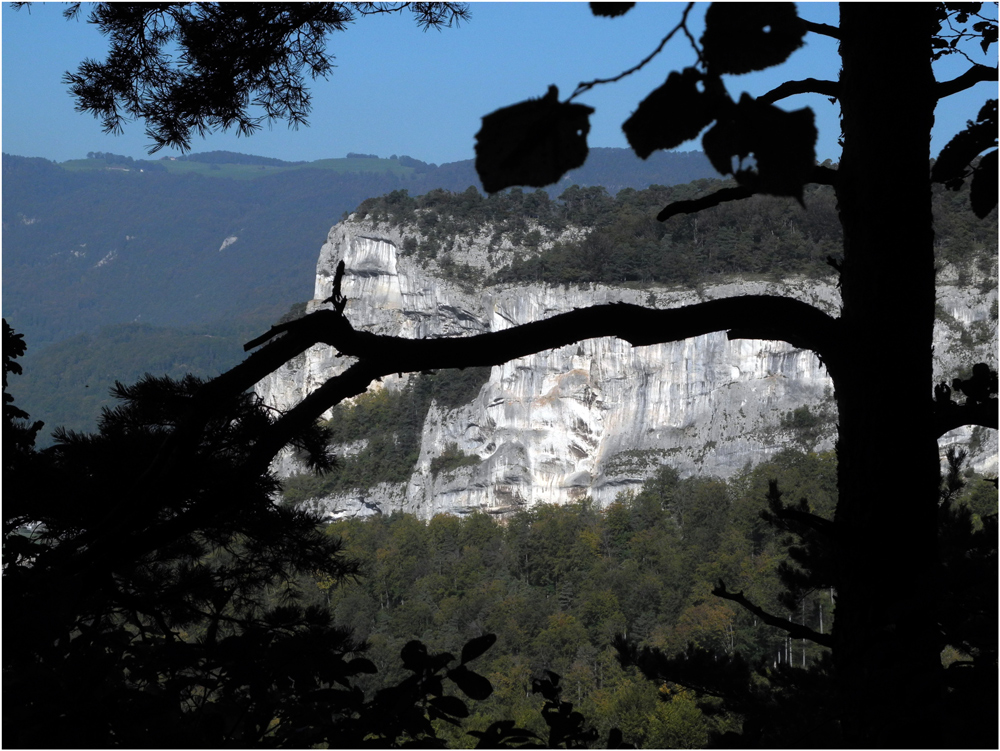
(190, 68)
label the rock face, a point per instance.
(594, 418)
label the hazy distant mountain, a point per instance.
(172, 242)
(195, 241)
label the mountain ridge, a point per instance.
(96, 243)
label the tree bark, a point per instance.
(886, 646)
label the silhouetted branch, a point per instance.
(795, 630)
(975, 74)
(820, 175)
(693, 206)
(758, 317)
(805, 86)
(352, 382)
(823, 29)
(762, 317)
(709, 673)
(587, 86)
(265, 337)
(949, 416)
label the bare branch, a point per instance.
(693, 206)
(353, 381)
(587, 86)
(823, 29)
(805, 86)
(795, 630)
(975, 74)
(820, 175)
(760, 317)
(950, 416)
(757, 317)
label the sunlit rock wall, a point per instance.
(594, 418)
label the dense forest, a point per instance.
(763, 236)
(557, 584)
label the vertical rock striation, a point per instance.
(594, 418)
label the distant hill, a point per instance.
(187, 242)
(172, 242)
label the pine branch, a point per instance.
(806, 86)
(795, 630)
(975, 74)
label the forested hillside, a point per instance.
(195, 252)
(558, 584)
(111, 240)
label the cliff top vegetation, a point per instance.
(763, 235)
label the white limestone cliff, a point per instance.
(594, 418)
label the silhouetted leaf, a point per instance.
(951, 167)
(548, 687)
(475, 647)
(743, 37)
(988, 30)
(615, 740)
(610, 10)
(783, 145)
(676, 112)
(532, 143)
(983, 190)
(472, 684)
(414, 656)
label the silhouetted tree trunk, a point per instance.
(886, 650)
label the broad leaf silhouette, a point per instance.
(783, 145)
(951, 166)
(476, 647)
(532, 143)
(610, 10)
(472, 684)
(675, 112)
(743, 37)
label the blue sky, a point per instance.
(398, 90)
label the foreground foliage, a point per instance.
(176, 616)
(884, 543)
